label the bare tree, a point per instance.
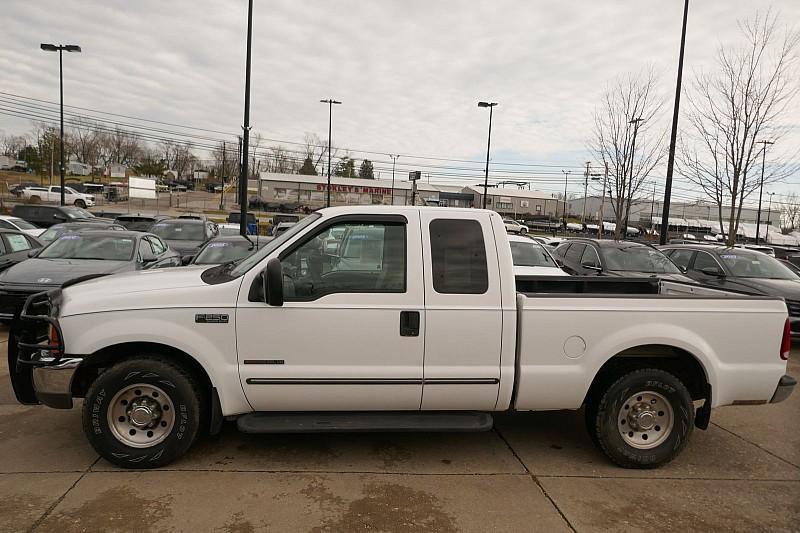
(12, 145)
(631, 109)
(120, 147)
(179, 157)
(84, 140)
(731, 110)
(790, 212)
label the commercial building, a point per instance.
(641, 209)
(517, 202)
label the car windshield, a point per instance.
(217, 252)
(638, 259)
(749, 264)
(530, 254)
(76, 213)
(88, 246)
(51, 234)
(255, 258)
(21, 224)
(179, 231)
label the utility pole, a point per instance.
(394, 161)
(566, 173)
(674, 134)
(761, 187)
(222, 178)
(652, 209)
(246, 127)
(330, 102)
(603, 201)
(585, 191)
(769, 215)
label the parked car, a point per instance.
(15, 247)
(45, 216)
(512, 226)
(52, 193)
(284, 341)
(139, 222)
(550, 242)
(742, 270)
(75, 255)
(235, 217)
(54, 232)
(592, 257)
(17, 224)
(185, 235)
(226, 230)
(531, 258)
(224, 249)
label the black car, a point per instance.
(592, 257)
(139, 222)
(44, 216)
(15, 247)
(223, 249)
(742, 270)
(75, 255)
(54, 232)
(185, 235)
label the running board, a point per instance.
(378, 421)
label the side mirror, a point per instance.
(272, 280)
(712, 272)
(33, 252)
(186, 260)
(60, 217)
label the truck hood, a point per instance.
(38, 271)
(179, 287)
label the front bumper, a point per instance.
(784, 390)
(52, 382)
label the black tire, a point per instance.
(523, 231)
(605, 418)
(181, 389)
(80, 203)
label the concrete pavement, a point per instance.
(534, 472)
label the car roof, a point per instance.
(114, 233)
(236, 238)
(14, 231)
(608, 243)
(181, 221)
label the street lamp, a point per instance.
(60, 49)
(761, 186)
(769, 214)
(330, 102)
(394, 161)
(566, 173)
(490, 105)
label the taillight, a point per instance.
(786, 341)
(54, 340)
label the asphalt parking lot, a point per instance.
(533, 472)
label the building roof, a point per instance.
(401, 183)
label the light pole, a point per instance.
(603, 200)
(674, 134)
(761, 186)
(246, 127)
(490, 105)
(60, 49)
(769, 214)
(330, 102)
(585, 191)
(394, 161)
(566, 173)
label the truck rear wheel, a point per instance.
(142, 413)
(642, 420)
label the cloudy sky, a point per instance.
(408, 71)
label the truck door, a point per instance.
(350, 333)
(463, 311)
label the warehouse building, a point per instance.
(517, 202)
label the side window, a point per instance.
(351, 257)
(589, 257)
(158, 246)
(2, 247)
(458, 257)
(16, 242)
(680, 257)
(6, 225)
(575, 252)
(704, 261)
(145, 250)
(561, 249)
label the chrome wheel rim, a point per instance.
(645, 420)
(141, 415)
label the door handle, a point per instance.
(409, 323)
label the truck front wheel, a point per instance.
(80, 203)
(643, 420)
(142, 413)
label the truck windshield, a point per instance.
(254, 259)
(747, 264)
(638, 259)
(530, 254)
(88, 246)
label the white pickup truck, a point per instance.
(391, 318)
(53, 194)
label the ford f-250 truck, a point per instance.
(391, 319)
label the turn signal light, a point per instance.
(786, 341)
(54, 340)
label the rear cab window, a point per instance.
(458, 257)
